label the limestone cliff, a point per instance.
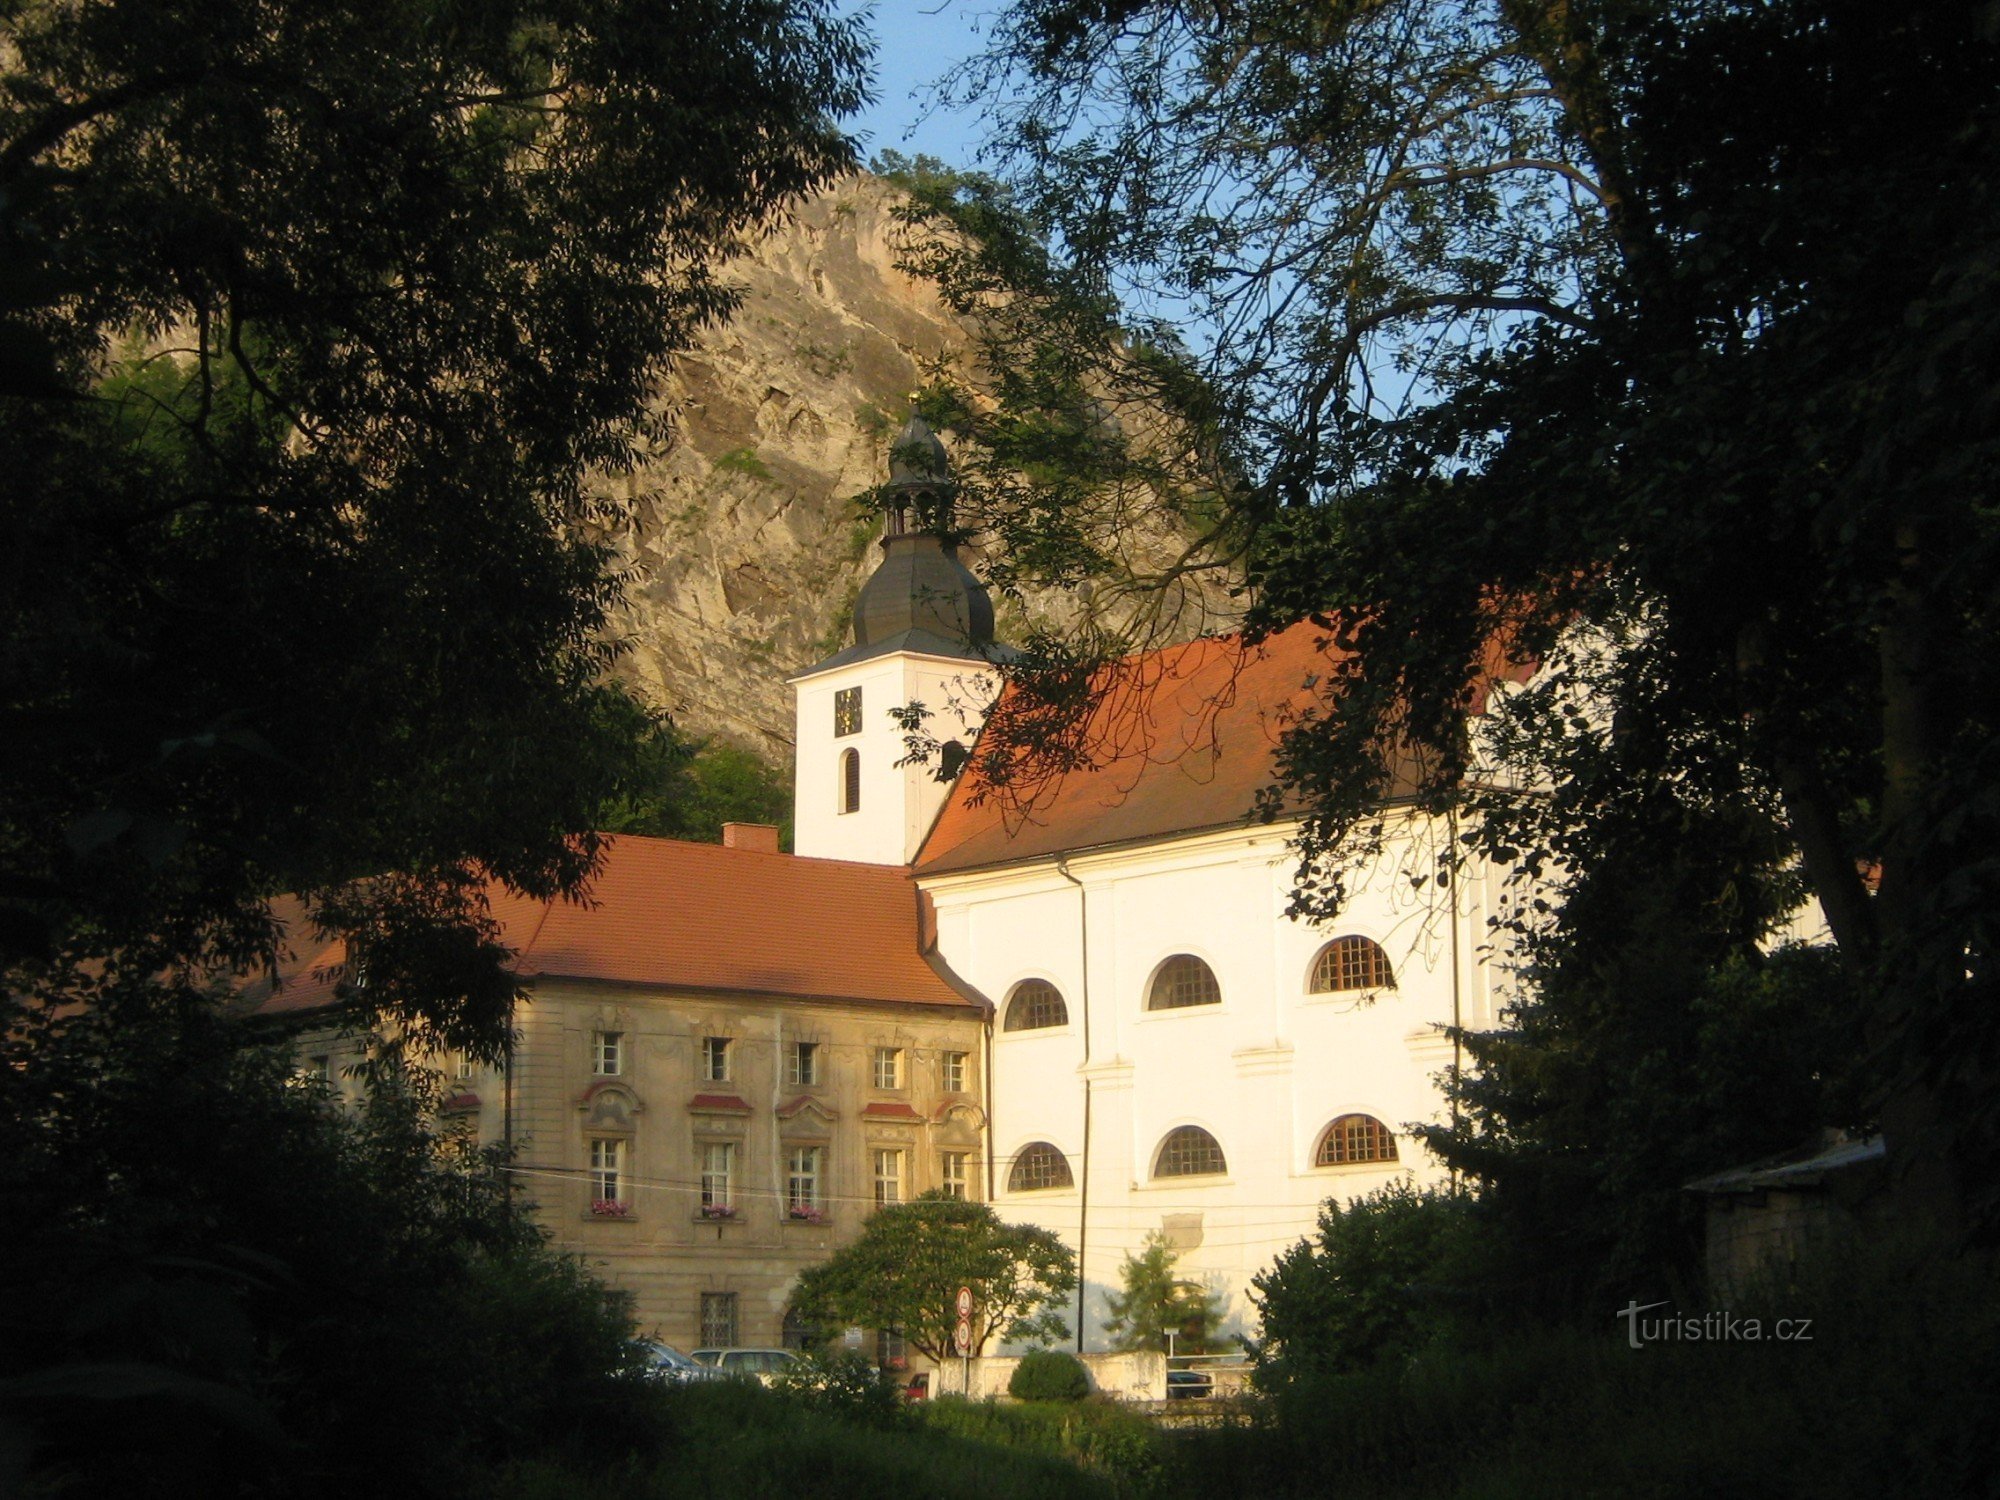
(744, 548)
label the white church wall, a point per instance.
(1265, 1071)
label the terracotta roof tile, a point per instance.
(700, 916)
(883, 1109)
(1177, 740)
(693, 916)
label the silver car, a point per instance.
(665, 1362)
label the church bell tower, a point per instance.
(923, 635)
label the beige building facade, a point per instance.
(702, 1148)
(728, 1058)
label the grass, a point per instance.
(737, 1439)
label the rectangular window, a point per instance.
(715, 1059)
(847, 712)
(951, 1173)
(802, 1181)
(891, 1352)
(718, 1166)
(463, 1068)
(888, 1067)
(718, 1320)
(607, 1170)
(319, 1069)
(888, 1178)
(954, 1072)
(802, 1064)
(607, 1053)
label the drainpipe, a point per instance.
(507, 1104)
(986, 1059)
(1083, 1180)
(1457, 1043)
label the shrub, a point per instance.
(1049, 1375)
(1367, 1286)
(845, 1384)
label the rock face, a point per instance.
(745, 548)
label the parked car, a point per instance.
(919, 1387)
(1189, 1385)
(665, 1362)
(748, 1364)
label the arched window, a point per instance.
(1036, 1004)
(1189, 1151)
(1355, 1138)
(1037, 1167)
(850, 781)
(1181, 981)
(1352, 963)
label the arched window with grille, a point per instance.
(1189, 1151)
(1181, 981)
(1353, 1139)
(1035, 1005)
(1039, 1167)
(850, 781)
(1351, 963)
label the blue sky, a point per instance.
(917, 42)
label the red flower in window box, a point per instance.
(718, 1210)
(806, 1214)
(610, 1208)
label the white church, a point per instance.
(1081, 999)
(1168, 1051)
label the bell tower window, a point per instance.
(850, 781)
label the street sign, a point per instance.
(962, 1336)
(964, 1303)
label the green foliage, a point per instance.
(313, 328)
(1576, 1411)
(314, 322)
(1644, 1060)
(743, 461)
(218, 1282)
(1049, 1375)
(1100, 1436)
(846, 1384)
(687, 789)
(903, 1274)
(1365, 1288)
(1154, 1303)
(1566, 334)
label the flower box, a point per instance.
(806, 1215)
(718, 1211)
(610, 1208)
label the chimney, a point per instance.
(762, 837)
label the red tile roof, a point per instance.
(1176, 741)
(308, 969)
(883, 1109)
(662, 913)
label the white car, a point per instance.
(748, 1364)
